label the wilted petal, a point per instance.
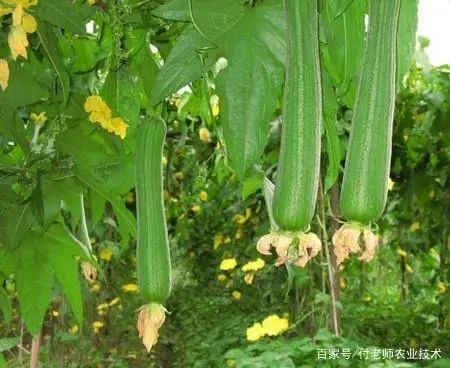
(371, 243)
(265, 243)
(151, 318)
(281, 245)
(4, 74)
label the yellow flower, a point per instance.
(29, 23)
(204, 134)
(164, 160)
(239, 234)
(203, 196)
(105, 254)
(179, 175)
(18, 42)
(227, 240)
(39, 118)
(255, 332)
(274, 325)
(97, 326)
(342, 283)
(215, 106)
(221, 277)
(114, 301)
(132, 288)
(130, 197)
(408, 268)
(91, 2)
(391, 184)
(240, 219)
(96, 103)
(55, 313)
(236, 294)
(415, 226)
(4, 74)
(119, 127)
(441, 287)
(195, 208)
(74, 329)
(102, 306)
(254, 265)
(248, 278)
(218, 241)
(95, 288)
(401, 252)
(228, 264)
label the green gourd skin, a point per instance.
(366, 175)
(153, 257)
(298, 171)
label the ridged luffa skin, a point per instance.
(298, 172)
(365, 182)
(153, 257)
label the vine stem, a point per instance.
(322, 223)
(83, 225)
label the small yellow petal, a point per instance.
(18, 42)
(236, 294)
(130, 288)
(204, 134)
(17, 15)
(203, 196)
(29, 23)
(228, 264)
(4, 74)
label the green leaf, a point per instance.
(64, 14)
(34, 278)
(65, 267)
(12, 127)
(406, 37)
(126, 220)
(251, 184)
(86, 53)
(97, 206)
(50, 45)
(8, 343)
(330, 108)
(5, 306)
(14, 223)
(345, 32)
(22, 89)
(184, 64)
(121, 95)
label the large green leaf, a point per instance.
(5, 305)
(406, 37)
(253, 42)
(126, 220)
(23, 89)
(50, 45)
(34, 278)
(344, 33)
(64, 14)
(12, 127)
(330, 108)
(14, 223)
(65, 268)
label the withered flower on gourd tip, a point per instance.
(150, 319)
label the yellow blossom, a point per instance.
(239, 234)
(132, 288)
(218, 241)
(130, 197)
(114, 301)
(236, 294)
(95, 288)
(391, 184)
(254, 265)
(408, 268)
(215, 106)
(18, 42)
(102, 306)
(240, 219)
(4, 74)
(203, 196)
(91, 2)
(119, 127)
(221, 277)
(164, 160)
(204, 134)
(39, 118)
(55, 313)
(342, 283)
(227, 240)
(401, 252)
(415, 226)
(74, 329)
(255, 332)
(228, 264)
(29, 23)
(97, 326)
(105, 254)
(248, 278)
(441, 287)
(89, 271)
(195, 208)
(274, 325)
